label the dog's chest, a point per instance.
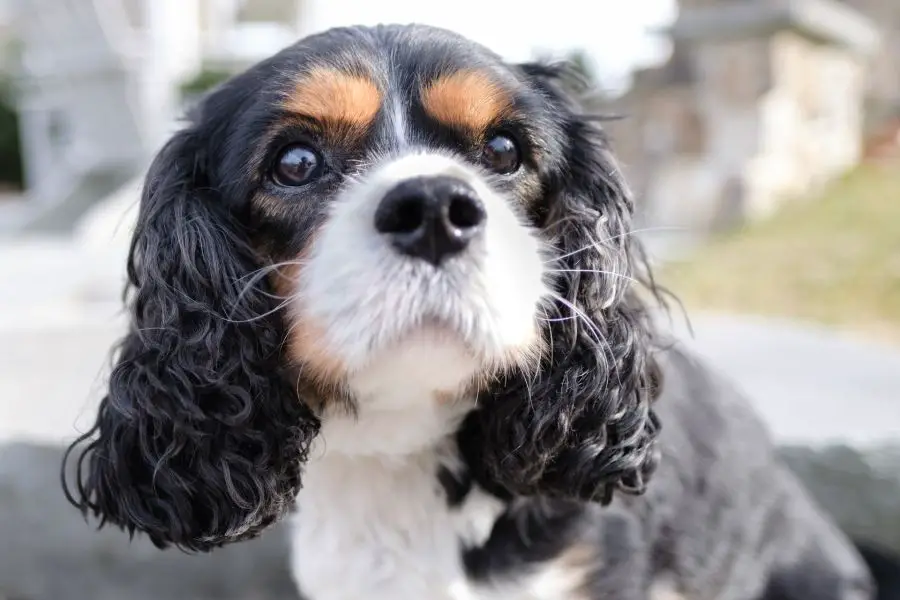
(382, 529)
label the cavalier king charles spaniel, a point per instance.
(385, 283)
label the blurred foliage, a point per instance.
(833, 258)
(11, 168)
(861, 489)
(203, 81)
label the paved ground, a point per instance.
(811, 384)
(47, 552)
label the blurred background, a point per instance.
(762, 138)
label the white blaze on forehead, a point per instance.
(399, 122)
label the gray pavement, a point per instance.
(52, 376)
(47, 552)
(811, 384)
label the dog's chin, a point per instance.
(428, 362)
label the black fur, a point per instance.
(456, 485)
(199, 440)
(527, 534)
(885, 567)
(593, 429)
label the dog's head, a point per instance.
(374, 239)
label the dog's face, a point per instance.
(396, 188)
(374, 223)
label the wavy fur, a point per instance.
(588, 426)
(201, 439)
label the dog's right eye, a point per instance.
(501, 154)
(297, 164)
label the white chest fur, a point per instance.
(373, 522)
(381, 529)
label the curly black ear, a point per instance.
(585, 426)
(200, 440)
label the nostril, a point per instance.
(430, 218)
(406, 216)
(409, 215)
(465, 212)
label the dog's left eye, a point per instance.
(296, 165)
(501, 154)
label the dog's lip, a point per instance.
(418, 336)
(435, 328)
(432, 328)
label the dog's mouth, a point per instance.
(430, 355)
(438, 330)
(432, 332)
(448, 316)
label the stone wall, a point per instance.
(810, 121)
(883, 82)
(743, 118)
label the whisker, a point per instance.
(580, 315)
(255, 277)
(556, 319)
(255, 318)
(615, 237)
(273, 267)
(610, 273)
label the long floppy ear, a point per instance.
(200, 440)
(584, 426)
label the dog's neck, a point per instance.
(391, 435)
(374, 517)
(389, 509)
(406, 402)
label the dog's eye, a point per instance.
(501, 154)
(296, 165)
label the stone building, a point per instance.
(76, 102)
(760, 101)
(883, 87)
(98, 87)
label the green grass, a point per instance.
(833, 259)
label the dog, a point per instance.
(385, 284)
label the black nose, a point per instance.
(431, 218)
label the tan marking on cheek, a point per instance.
(344, 104)
(271, 206)
(445, 397)
(469, 100)
(305, 342)
(665, 588)
(576, 566)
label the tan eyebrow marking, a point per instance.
(345, 104)
(467, 99)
